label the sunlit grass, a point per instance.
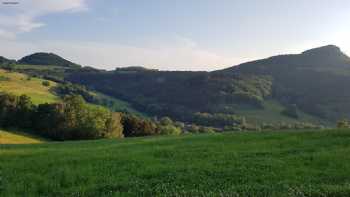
(229, 164)
(15, 137)
(19, 84)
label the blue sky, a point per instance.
(171, 34)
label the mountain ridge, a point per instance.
(319, 56)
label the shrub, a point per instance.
(46, 83)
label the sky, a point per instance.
(171, 34)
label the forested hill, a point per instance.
(316, 81)
(4, 60)
(313, 83)
(327, 58)
(306, 87)
(46, 59)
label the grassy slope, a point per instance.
(230, 164)
(18, 138)
(272, 114)
(120, 105)
(18, 84)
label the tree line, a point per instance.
(74, 119)
(70, 119)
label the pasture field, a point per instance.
(18, 84)
(307, 163)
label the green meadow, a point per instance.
(18, 84)
(308, 163)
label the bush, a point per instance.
(46, 83)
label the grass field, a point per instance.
(229, 164)
(18, 138)
(271, 113)
(19, 84)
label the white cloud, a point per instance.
(23, 17)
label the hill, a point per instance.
(12, 137)
(232, 164)
(4, 60)
(315, 80)
(46, 59)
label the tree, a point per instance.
(24, 111)
(114, 127)
(8, 105)
(49, 121)
(46, 83)
(73, 113)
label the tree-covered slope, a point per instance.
(46, 59)
(5, 61)
(316, 81)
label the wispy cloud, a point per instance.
(24, 16)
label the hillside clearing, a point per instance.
(272, 113)
(18, 84)
(229, 164)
